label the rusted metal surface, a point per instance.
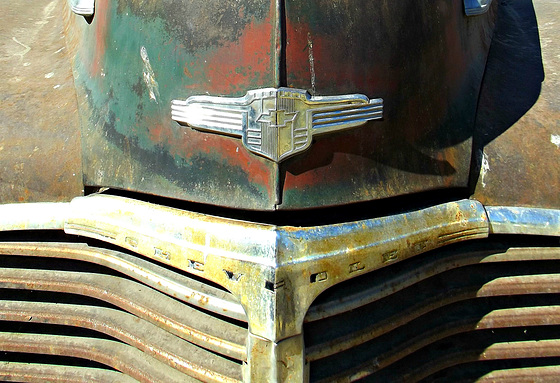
(519, 317)
(180, 287)
(38, 373)
(279, 362)
(275, 272)
(127, 328)
(518, 129)
(498, 351)
(507, 286)
(406, 320)
(40, 156)
(426, 60)
(131, 143)
(181, 320)
(119, 356)
(126, 77)
(419, 272)
(548, 374)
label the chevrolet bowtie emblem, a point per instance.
(276, 123)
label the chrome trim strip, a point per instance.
(523, 220)
(476, 7)
(33, 216)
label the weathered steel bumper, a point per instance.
(273, 275)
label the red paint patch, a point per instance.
(185, 143)
(244, 64)
(101, 20)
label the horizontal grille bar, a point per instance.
(126, 328)
(39, 373)
(119, 356)
(534, 374)
(498, 351)
(192, 325)
(166, 318)
(421, 269)
(157, 277)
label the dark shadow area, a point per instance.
(307, 217)
(513, 78)
(391, 153)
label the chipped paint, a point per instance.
(311, 62)
(484, 168)
(149, 76)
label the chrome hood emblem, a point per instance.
(276, 123)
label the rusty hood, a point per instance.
(264, 105)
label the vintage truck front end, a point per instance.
(283, 191)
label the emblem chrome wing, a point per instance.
(276, 123)
(82, 7)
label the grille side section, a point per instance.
(429, 314)
(127, 307)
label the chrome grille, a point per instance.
(139, 319)
(492, 304)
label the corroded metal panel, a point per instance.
(275, 272)
(425, 59)
(134, 57)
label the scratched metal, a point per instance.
(275, 272)
(180, 287)
(33, 216)
(425, 60)
(38, 373)
(521, 220)
(190, 324)
(127, 328)
(127, 75)
(117, 355)
(134, 58)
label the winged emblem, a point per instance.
(276, 123)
